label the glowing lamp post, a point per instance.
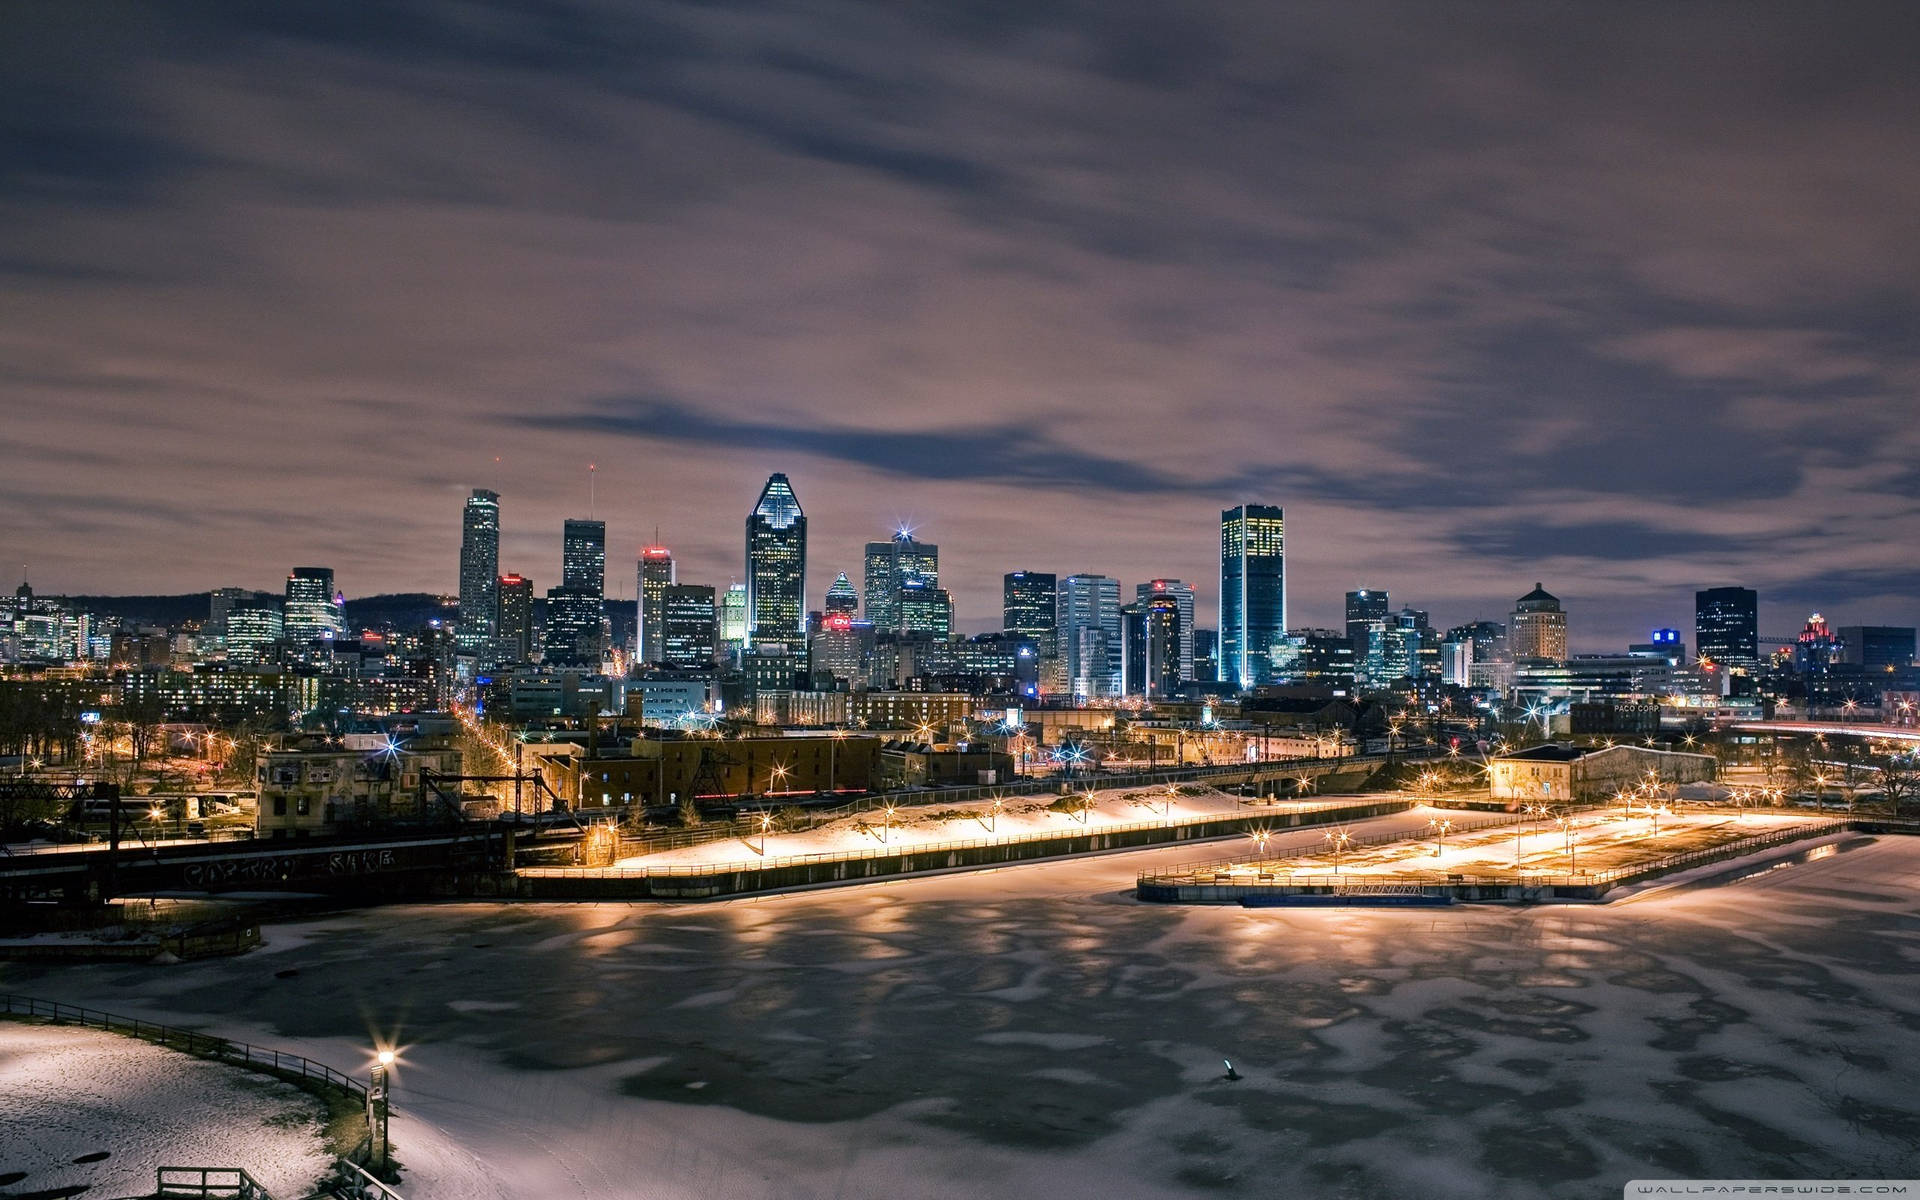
(766, 823)
(1339, 839)
(1166, 806)
(994, 815)
(1086, 806)
(1260, 839)
(886, 821)
(378, 1106)
(1566, 826)
(1441, 828)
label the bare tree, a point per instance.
(1899, 782)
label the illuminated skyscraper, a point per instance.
(479, 572)
(313, 610)
(1367, 629)
(841, 598)
(1726, 626)
(1087, 622)
(1153, 630)
(1028, 600)
(890, 566)
(513, 639)
(925, 608)
(687, 624)
(1253, 591)
(733, 618)
(776, 565)
(1182, 594)
(655, 576)
(583, 556)
(1538, 628)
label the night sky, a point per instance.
(1622, 298)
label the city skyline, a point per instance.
(1552, 323)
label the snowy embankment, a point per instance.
(1020, 818)
(73, 1094)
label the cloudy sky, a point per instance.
(1622, 298)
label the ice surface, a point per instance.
(71, 1093)
(1032, 1030)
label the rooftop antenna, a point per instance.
(496, 472)
(590, 470)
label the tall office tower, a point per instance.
(220, 602)
(841, 647)
(1253, 591)
(253, 626)
(890, 566)
(925, 609)
(687, 624)
(1206, 656)
(583, 556)
(1315, 658)
(1167, 641)
(574, 616)
(1539, 628)
(1367, 629)
(1087, 623)
(1027, 601)
(841, 598)
(1412, 651)
(479, 572)
(313, 609)
(1183, 595)
(654, 577)
(1877, 647)
(513, 631)
(733, 618)
(776, 565)
(1477, 643)
(1726, 626)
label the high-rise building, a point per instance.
(574, 616)
(1367, 611)
(925, 609)
(252, 628)
(1206, 656)
(1315, 658)
(1166, 641)
(1028, 600)
(1476, 643)
(583, 556)
(1253, 591)
(1726, 626)
(313, 610)
(733, 618)
(890, 566)
(654, 576)
(513, 631)
(479, 572)
(841, 647)
(220, 602)
(1877, 647)
(1183, 595)
(1087, 623)
(687, 625)
(1538, 627)
(776, 565)
(841, 598)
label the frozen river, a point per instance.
(1033, 1031)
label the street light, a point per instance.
(1260, 838)
(1441, 828)
(378, 1106)
(1566, 825)
(994, 816)
(766, 823)
(886, 821)
(1340, 840)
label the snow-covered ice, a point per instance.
(70, 1093)
(1033, 1030)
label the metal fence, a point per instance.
(888, 851)
(1215, 865)
(1251, 874)
(206, 1183)
(654, 843)
(203, 1045)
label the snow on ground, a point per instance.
(1022, 817)
(1033, 1030)
(72, 1093)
